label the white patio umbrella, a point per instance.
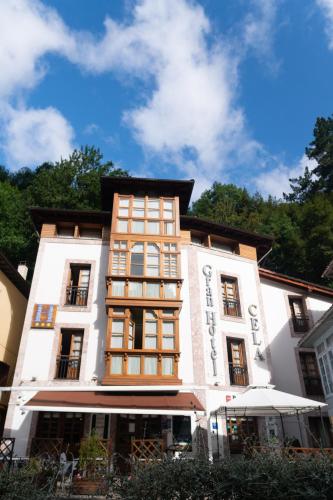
(263, 401)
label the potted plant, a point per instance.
(93, 462)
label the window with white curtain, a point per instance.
(153, 260)
(167, 365)
(170, 290)
(168, 335)
(150, 365)
(150, 330)
(118, 288)
(117, 334)
(117, 365)
(133, 365)
(153, 290)
(135, 289)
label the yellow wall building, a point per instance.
(14, 292)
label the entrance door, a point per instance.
(135, 427)
(242, 432)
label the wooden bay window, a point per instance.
(142, 343)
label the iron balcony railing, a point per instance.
(300, 323)
(68, 367)
(313, 386)
(238, 375)
(231, 307)
(76, 295)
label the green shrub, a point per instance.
(27, 484)
(263, 477)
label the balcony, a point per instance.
(76, 295)
(238, 375)
(232, 307)
(313, 386)
(68, 367)
(300, 323)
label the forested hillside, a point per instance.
(70, 183)
(302, 223)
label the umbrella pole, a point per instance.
(217, 436)
(300, 428)
(283, 431)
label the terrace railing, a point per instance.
(68, 367)
(231, 307)
(238, 375)
(76, 295)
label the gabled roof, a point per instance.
(328, 273)
(295, 282)
(54, 215)
(261, 242)
(14, 276)
(144, 186)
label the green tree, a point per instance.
(17, 237)
(321, 150)
(71, 183)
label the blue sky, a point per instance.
(224, 90)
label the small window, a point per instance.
(122, 226)
(65, 231)
(138, 226)
(118, 288)
(311, 376)
(153, 227)
(218, 245)
(299, 319)
(117, 365)
(167, 365)
(78, 285)
(169, 228)
(150, 365)
(170, 290)
(135, 289)
(117, 335)
(93, 233)
(137, 259)
(118, 263)
(230, 295)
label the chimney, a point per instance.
(22, 269)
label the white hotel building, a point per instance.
(143, 321)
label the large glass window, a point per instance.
(117, 337)
(153, 260)
(150, 330)
(137, 259)
(168, 335)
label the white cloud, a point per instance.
(276, 181)
(28, 31)
(327, 8)
(34, 136)
(188, 114)
(259, 29)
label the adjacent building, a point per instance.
(143, 321)
(320, 338)
(14, 292)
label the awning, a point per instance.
(181, 403)
(266, 401)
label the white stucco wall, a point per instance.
(40, 344)
(283, 343)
